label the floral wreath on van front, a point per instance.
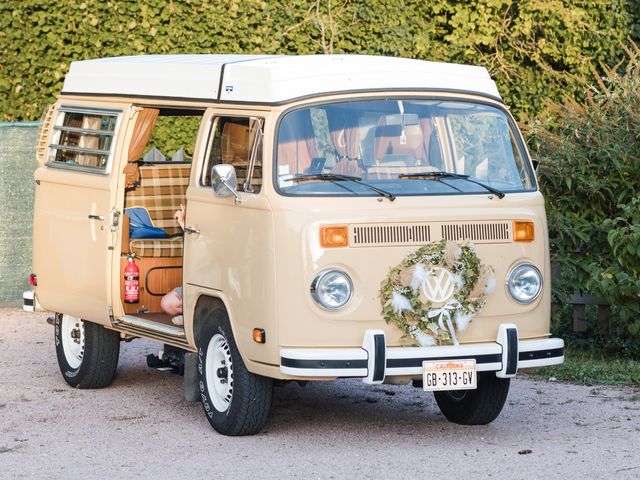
(435, 292)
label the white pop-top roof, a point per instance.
(268, 78)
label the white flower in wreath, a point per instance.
(420, 275)
(400, 303)
(462, 320)
(424, 340)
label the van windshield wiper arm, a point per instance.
(441, 175)
(333, 177)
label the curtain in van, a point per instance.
(345, 137)
(297, 141)
(141, 134)
(427, 128)
(91, 122)
(431, 143)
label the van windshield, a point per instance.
(400, 146)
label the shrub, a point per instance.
(590, 175)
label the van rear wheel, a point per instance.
(87, 352)
(235, 401)
(475, 407)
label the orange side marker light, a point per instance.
(259, 335)
(333, 236)
(523, 232)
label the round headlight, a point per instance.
(331, 289)
(524, 283)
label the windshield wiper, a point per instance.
(440, 175)
(335, 177)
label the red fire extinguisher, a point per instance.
(131, 282)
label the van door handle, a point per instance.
(96, 217)
(191, 230)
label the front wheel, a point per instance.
(475, 407)
(87, 352)
(235, 401)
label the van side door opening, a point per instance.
(158, 172)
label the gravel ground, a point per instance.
(140, 427)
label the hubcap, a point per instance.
(72, 333)
(219, 372)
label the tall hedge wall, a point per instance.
(535, 49)
(589, 173)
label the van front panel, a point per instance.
(300, 258)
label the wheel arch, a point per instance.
(205, 306)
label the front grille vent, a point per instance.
(390, 235)
(477, 231)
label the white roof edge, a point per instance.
(268, 78)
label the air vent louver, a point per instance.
(394, 234)
(400, 234)
(477, 231)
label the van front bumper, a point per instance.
(375, 361)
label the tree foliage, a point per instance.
(535, 49)
(590, 173)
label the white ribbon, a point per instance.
(444, 314)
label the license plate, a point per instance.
(449, 375)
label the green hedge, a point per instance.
(590, 174)
(535, 49)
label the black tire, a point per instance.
(89, 360)
(236, 401)
(475, 407)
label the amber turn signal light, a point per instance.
(259, 335)
(523, 232)
(333, 236)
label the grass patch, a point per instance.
(592, 368)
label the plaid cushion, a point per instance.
(157, 247)
(161, 190)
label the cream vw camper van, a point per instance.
(346, 216)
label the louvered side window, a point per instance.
(83, 139)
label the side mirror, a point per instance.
(224, 181)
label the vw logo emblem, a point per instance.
(439, 285)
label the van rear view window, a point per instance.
(83, 139)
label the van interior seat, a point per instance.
(395, 142)
(397, 154)
(236, 142)
(161, 190)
